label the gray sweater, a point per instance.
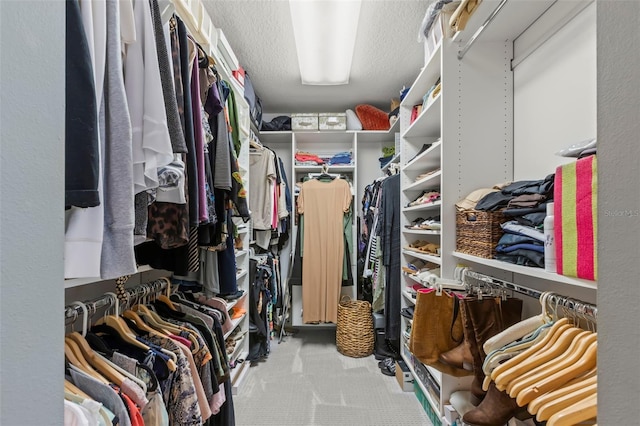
(118, 257)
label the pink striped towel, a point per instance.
(576, 221)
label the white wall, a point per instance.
(555, 97)
(31, 212)
(618, 232)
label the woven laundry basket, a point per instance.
(478, 232)
(354, 330)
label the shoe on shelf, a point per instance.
(425, 147)
(232, 296)
(407, 312)
(415, 224)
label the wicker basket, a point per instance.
(354, 330)
(478, 232)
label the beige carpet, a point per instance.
(306, 381)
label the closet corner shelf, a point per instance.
(428, 122)
(78, 282)
(318, 169)
(240, 253)
(425, 183)
(420, 232)
(425, 392)
(433, 259)
(427, 78)
(241, 275)
(428, 159)
(414, 279)
(234, 325)
(422, 207)
(528, 271)
(243, 230)
(371, 136)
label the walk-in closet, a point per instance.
(319, 212)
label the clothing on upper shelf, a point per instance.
(307, 158)
(160, 135)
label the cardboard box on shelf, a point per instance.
(403, 376)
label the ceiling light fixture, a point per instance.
(325, 35)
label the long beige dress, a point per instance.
(323, 205)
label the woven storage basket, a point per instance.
(478, 237)
(354, 330)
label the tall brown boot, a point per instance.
(489, 317)
(495, 410)
(461, 354)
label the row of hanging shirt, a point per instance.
(159, 363)
(152, 139)
(270, 197)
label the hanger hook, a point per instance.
(85, 316)
(115, 304)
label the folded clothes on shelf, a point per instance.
(341, 158)
(430, 223)
(306, 157)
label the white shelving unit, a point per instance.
(472, 126)
(366, 148)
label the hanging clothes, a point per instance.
(323, 205)
(389, 232)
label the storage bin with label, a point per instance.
(304, 121)
(332, 121)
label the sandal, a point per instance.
(415, 224)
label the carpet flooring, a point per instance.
(307, 382)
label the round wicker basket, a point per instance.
(354, 330)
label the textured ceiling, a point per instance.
(387, 55)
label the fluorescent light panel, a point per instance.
(325, 35)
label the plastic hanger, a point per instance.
(577, 413)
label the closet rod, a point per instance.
(481, 29)
(105, 300)
(584, 308)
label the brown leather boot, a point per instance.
(495, 410)
(458, 356)
(488, 317)
(470, 337)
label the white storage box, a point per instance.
(332, 121)
(305, 121)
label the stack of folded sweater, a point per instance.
(341, 159)
(525, 203)
(308, 159)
